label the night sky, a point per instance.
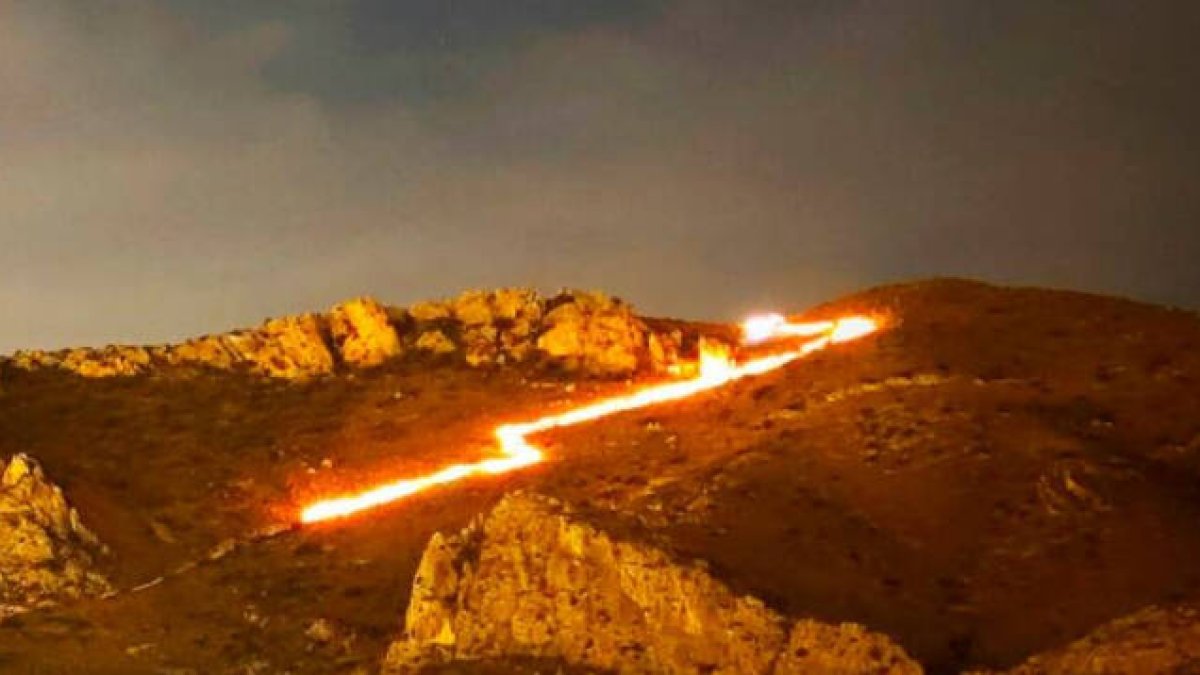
(188, 166)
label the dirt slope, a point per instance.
(996, 474)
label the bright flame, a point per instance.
(761, 327)
(764, 327)
(716, 368)
(852, 328)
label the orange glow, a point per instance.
(764, 327)
(715, 368)
(852, 328)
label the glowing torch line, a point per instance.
(517, 452)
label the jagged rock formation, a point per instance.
(587, 332)
(1151, 640)
(534, 580)
(498, 326)
(288, 347)
(110, 361)
(582, 331)
(46, 554)
(362, 333)
(593, 332)
(292, 347)
(435, 342)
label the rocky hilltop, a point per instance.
(1003, 479)
(581, 331)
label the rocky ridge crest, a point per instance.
(580, 331)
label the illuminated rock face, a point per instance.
(108, 362)
(213, 351)
(435, 342)
(593, 332)
(532, 579)
(430, 311)
(46, 554)
(291, 347)
(111, 361)
(362, 333)
(583, 332)
(662, 349)
(498, 326)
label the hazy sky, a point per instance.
(186, 166)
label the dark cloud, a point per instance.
(429, 25)
(177, 168)
(365, 51)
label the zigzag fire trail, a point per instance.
(714, 368)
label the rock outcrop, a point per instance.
(535, 580)
(596, 333)
(584, 332)
(46, 554)
(435, 342)
(110, 361)
(1152, 640)
(362, 333)
(498, 326)
(581, 331)
(292, 347)
(211, 351)
(426, 312)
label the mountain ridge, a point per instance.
(995, 475)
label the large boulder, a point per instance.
(291, 347)
(498, 326)
(473, 308)
(502, 307)
(519, 313)
(593, 332)
(535, 580)
(46, 554)
(362, 333)
(430, 311)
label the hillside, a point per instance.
(995, 474)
